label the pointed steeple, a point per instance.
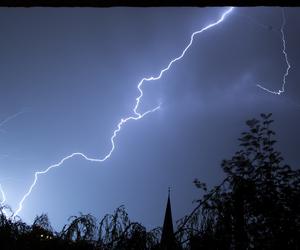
(168, 241)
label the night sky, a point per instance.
(68, 75)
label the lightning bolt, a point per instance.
(3, 196)
(3, 208)
(280, 91)
(7, 119)
(2, 123)
(112, 139)
(136, 114)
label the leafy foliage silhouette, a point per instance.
(256, 206)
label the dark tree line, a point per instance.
(256, 206)
(114, 231)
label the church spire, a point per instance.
(167, 238)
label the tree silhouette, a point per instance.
(256, 206)
(116, 231)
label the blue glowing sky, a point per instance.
(72, 73)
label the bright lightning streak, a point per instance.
(2, 203)
(137, 114)
(3, 196)
(6, 120)
(280, 91)
(112, 139)
(178, 58)
(2, 123)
